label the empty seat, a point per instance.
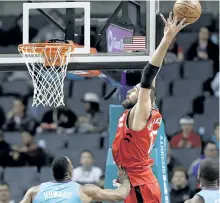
(76, 142)
(205, 121)
(186, 39)
(89, 85)
(170, 72)
(6, 103)
(24, 176)
(16, 87)
(186, 156)
(171, 124)
(46, 174)
(198, 70)
(52, 140)
(13, 138)
(176, 106)
(162, 88)
(187, 88)
(211, 107)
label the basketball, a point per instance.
(189, 9)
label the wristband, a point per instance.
(148, 75)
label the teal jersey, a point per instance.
(210, 196)
(58, 192)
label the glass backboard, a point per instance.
(98, 24)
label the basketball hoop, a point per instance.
(47, 65)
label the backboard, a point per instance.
(99, 24)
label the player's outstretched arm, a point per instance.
(30, 194)
(97, 194)
(143, 106)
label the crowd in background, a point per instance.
(65, 122)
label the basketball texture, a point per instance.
(189, 9)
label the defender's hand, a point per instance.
(122, 175)
(171, 25)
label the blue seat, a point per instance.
(198, 70)
(186, 156)
(187, 88)
(211, 107)
(20, 87)
(46, 174)
(170, 72)
(176, 107)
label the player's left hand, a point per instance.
(122, 175)
(172, 27)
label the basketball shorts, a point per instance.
(149, 193)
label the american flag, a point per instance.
(134, 43)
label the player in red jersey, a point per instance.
(138, 125)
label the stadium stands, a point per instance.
(178, 84)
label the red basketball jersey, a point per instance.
(131, 149)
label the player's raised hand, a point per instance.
(172, 27)
(122, 175)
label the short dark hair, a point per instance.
(181, 169)
(209, 169)
(60, 167)
(87, 151)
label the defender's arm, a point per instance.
(30, 194)
(98, 194)
(143, 107)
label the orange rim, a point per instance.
(39, 47)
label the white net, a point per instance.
(47, 66)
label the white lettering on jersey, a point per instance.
(57, 194)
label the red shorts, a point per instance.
(149, 193)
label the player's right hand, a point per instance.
(122, 174)
(172, 27)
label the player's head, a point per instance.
(4, 192)
(132, 97)
(86, 159)
(208, 172)
(186, 124)
(62, 168)
(204, 34)
(179, 178)
(210, 149)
